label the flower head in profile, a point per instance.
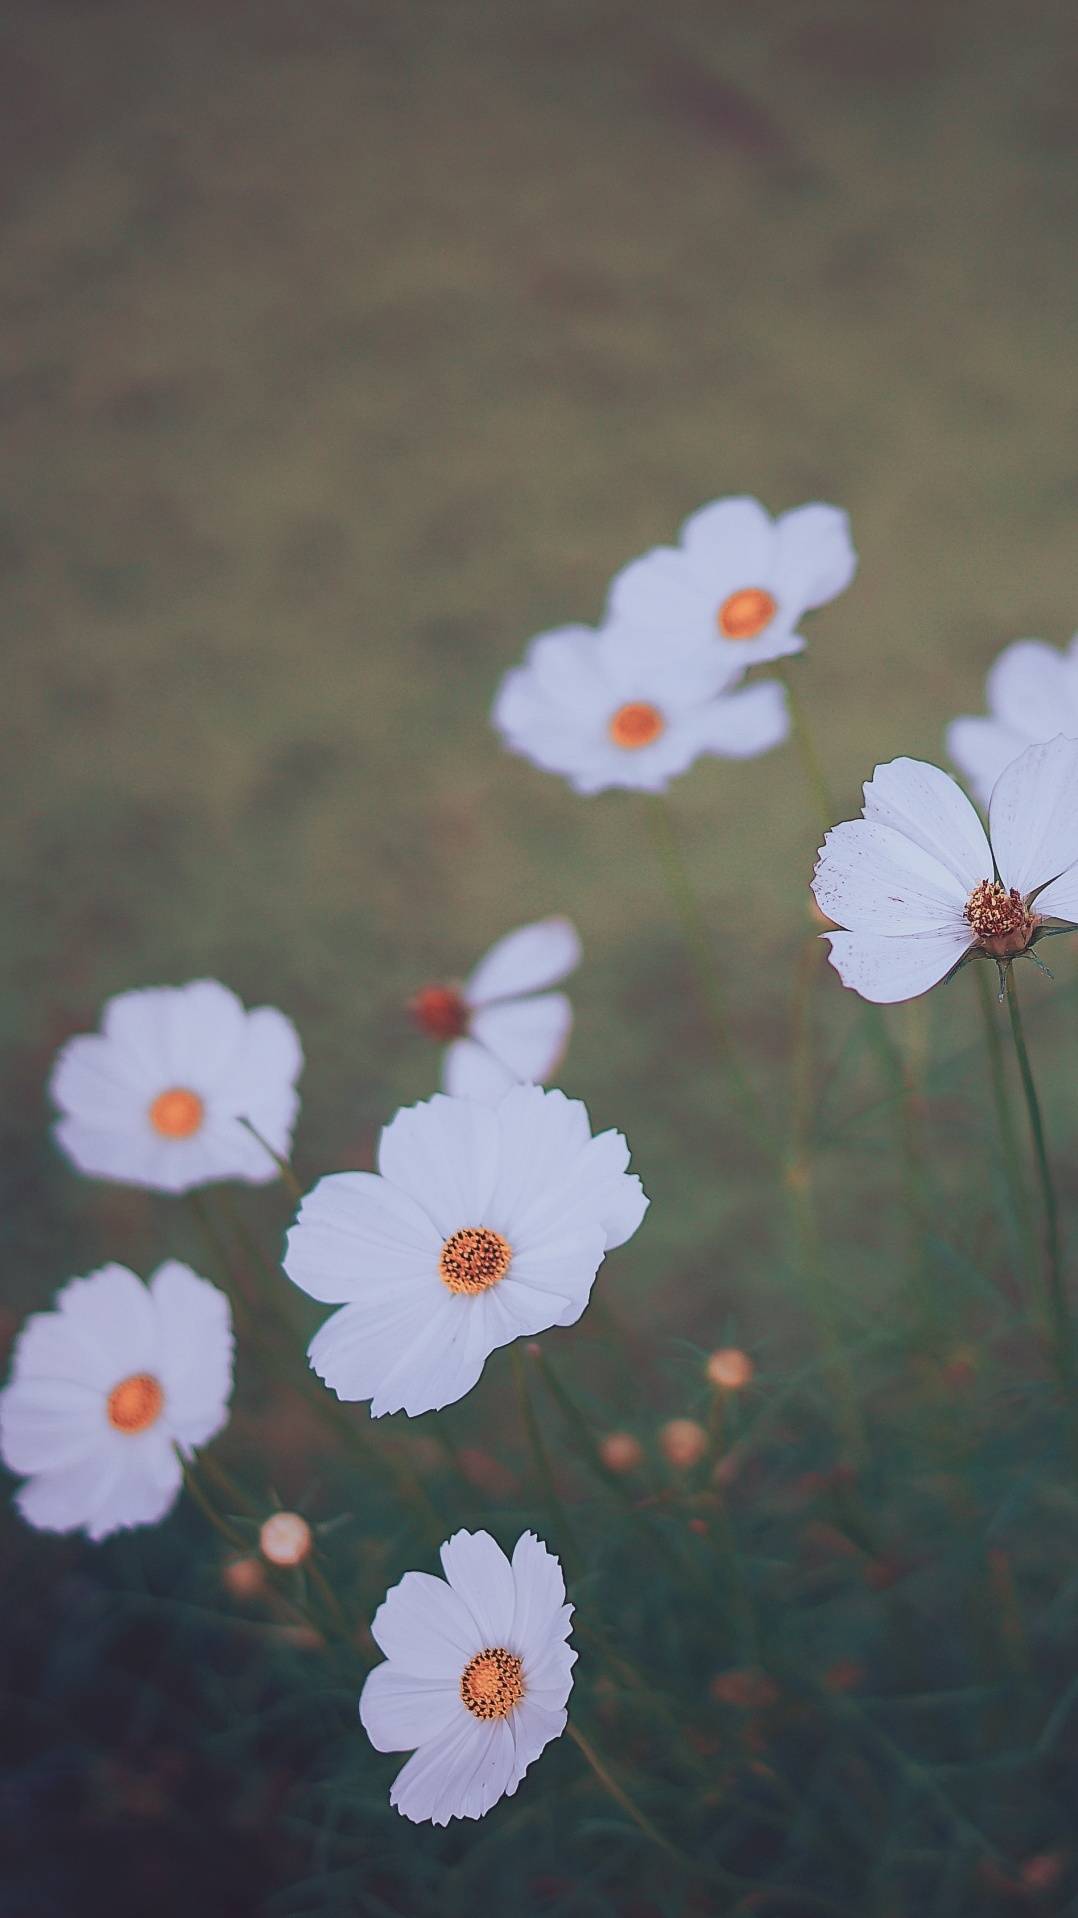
(1032, 693)
(615, 708)
(483, 1224)
(738, 581)
(158, 1097)
(476, 1678)
(109, 1391)
(503, 1028)
(918, 887)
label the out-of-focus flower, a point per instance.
(730, 1368)
(109, 1391)
(738, 581)
(244, 1577)
(919, 888)
(745, 1689)
(614, 708)
(1032, 694)
(503, 1028)
(621, 1452)
(158, 1096)
(476, 1678)
(483, 1224)
(682, 1443)
(285, 1538)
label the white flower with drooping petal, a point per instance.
(1032, 694)
(476, 1678)
(615, 708)
(738, 581)
(917, 886)
(483, 1224)
(158, 1096)
(109, 1391)
(503, 1028)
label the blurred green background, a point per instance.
(346, 345)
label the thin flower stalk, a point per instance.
(1005, 1120)
(559, 1518)
(1061, 1330)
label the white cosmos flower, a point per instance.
(615, 708)
(502, 1027)
(918, 886)
(483, 1224)
(738, 581)
(476, 1678)
(109, 1391)
(1032, 693)
(157, 1097)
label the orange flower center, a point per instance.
(440, 1011)
(636, 725)
(492, 1683)
(135, 1403)
(473, 1259)
(1001, 920)
(177, 1113)
(746, 613)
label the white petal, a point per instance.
(533, 1725)
(871, 878)
(664, 593)
(743, 724)
(927, 806)
(1033, 815)
(886, 970)
(1031, 690)
(525, 961)
(357, 1237)
(426, 1629)
(441, 1364)
(481, 1575)
(195, 1321)
(444, 1154)
(527, 1036)
(1060, 901)
(263, 1086)
(816, 559)
(539, 1588)
(365, 1346)
(399, 1711)
(982, 749)
(730, 545)
(112, 1315)
(469, 1071)
(460, 1775)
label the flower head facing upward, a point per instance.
(501, 1026)
(738, 581)
(158, 1097)
(919, 888)
(109, 1390)
(483, 1224)
(618, 707)
(1032, 693)
(476, 1678)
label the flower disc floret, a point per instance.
(492, 1683)
(483, 1224)
(136, 1403)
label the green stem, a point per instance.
(622, 1798)
(705, 968)
(1001, 1099)
(283, 1167)
(1059, 1320)
(558, 1516)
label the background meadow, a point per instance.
(343, 347)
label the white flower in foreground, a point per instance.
(738, 581)
(919, 888)
(502, 1027)
(109, 1391)
(476, 1678)
(1032, 693)
(157, 1097)
(483, 1224)
(613, 708)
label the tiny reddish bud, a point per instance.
(285, 1539)
(682, 1443)
(244, 1577)
(730, 1368)
(534, 1349)
(699, 1526)
(440, 1012)
(747, 1690)
(621, 1452)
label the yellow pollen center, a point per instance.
(746, 613)
(177, 1113)
(135, 1403)
(1000, 919)
(473, 1259)
(492, 1683)
(636, 725)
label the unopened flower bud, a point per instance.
(621, 1452)
(285, 1539)
(244, 1577)
(730, 1368)
(683, 1443)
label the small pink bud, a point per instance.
(683, 1443)
(621, 1452)
(285, 1539)
(731, 1368)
